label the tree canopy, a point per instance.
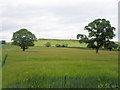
(3, 42)
(100, 32)
(111, 45)
(23, 38)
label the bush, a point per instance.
(64, 45)
(58, 45)
(48, 44)
(3, 42)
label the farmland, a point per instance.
(52, 67)
(71, 43)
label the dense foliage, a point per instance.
(23, 38)
(3, 42)
(100, 32)
(48, 44)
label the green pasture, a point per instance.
(53, 42)
(52, 67)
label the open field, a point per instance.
(71, 43)
(51, 67)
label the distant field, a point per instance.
(71, 43)
(52, 67)
(53, 42)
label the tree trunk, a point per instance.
(97, 50)
(23, 49)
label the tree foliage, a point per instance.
(100, 32)
(111, 45)
(3, 42)
(23, 38)
(48, 44)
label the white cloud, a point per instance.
(54, 18)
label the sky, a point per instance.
(58, 19)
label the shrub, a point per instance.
(58, 45)
(64, 45)
(48, 44)
(3, 42)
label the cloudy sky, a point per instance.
(60, 19)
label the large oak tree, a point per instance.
(23, 38)
(100, 32)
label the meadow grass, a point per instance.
(53, 42)
(66, 82)
(52, 67)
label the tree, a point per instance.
(48, 44)
(118, 47)
(64, 45)
(23, 38)
(58, 45)
(110, 45)
(3, 42)
(100, 32)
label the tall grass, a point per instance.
(66, 82)
(42, 67)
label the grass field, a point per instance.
(52, 67)
(71, 43)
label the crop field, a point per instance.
(58, 67)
